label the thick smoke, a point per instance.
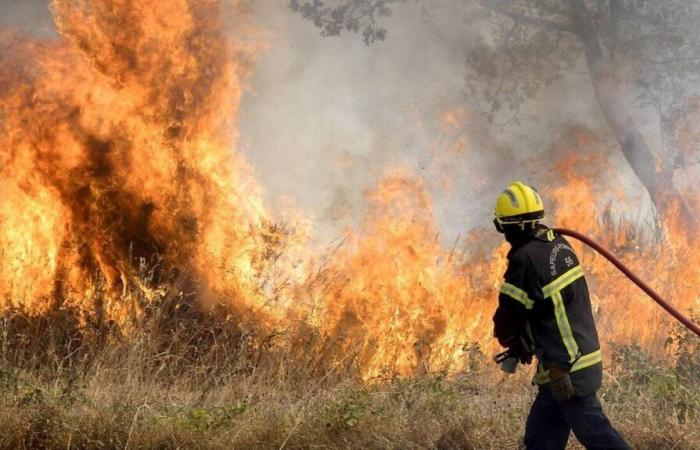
(325, 118)
(343, 112)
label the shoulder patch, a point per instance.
(554, 253)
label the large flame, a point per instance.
(394, 297)
(117, 151)
(117, 155)
(662, 254)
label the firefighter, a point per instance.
(544, 308)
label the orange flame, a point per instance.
(393, 296)
(117, 153)
(117, 149)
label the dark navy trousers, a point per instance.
(549, 424)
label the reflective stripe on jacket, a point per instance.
(544, 295)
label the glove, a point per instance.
(560, 383)
(519, 348)
(524, 350)
(521, 354)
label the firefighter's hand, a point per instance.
(525, 358)
(518, 350)
(560, 384)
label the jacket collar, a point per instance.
(540, 233)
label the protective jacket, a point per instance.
(545, 297)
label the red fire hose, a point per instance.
(692, 326)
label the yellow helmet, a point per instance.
(519, 204)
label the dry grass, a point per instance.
(193, 384)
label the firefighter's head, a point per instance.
(519, 209)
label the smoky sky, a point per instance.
(32, 16)
(329, 115)
(324, 118)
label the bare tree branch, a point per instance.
(501, 8)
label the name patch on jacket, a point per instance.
(553, 258)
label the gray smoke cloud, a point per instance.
(31, 16)
(329, 115)
(325, 118)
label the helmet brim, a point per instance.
(521, 218)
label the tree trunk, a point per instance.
(614, 108)
(612, 105)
